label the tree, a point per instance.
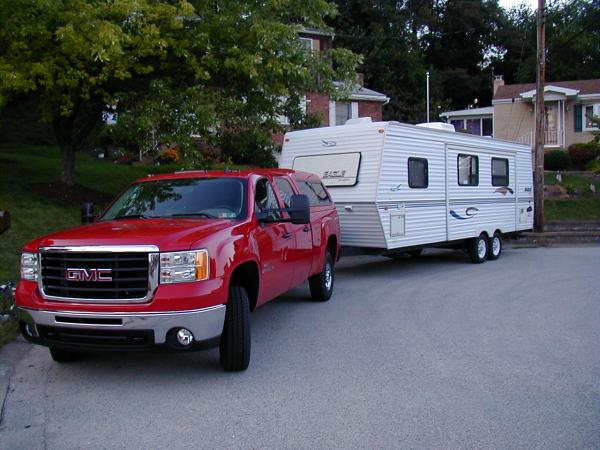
(188, 65)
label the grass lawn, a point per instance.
(584, 207)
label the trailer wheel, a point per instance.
(234, 350)
(478, 249)
(495, 246)
(321, 284)
(63, 356)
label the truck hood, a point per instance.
(167, 234)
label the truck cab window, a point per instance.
(265, 199)
(285, 189)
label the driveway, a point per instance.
(432, 353)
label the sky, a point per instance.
(510, 3)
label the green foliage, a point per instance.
(583, 153)
(594, 166)
(166, 68)
(587, 208)
(250, 146)
(556, 160)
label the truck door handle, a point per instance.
(306, 228)
(287, 235)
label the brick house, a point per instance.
(569, 107)
(362, 102)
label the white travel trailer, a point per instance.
(400, 188)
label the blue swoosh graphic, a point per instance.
(470, 213)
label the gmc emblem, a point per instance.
(88, 275)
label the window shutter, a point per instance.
(578, 117)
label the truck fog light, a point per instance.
(184, 337)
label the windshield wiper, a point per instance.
(133, 216)
(197, 214)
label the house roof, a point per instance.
(585, 87)
(359, 93)
(485, 111)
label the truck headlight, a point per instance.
(29, 266)
(181, 267)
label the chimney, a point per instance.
(498, 81)
(360, 79)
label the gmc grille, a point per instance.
(129, 273)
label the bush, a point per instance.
(556, 160)
(169, 156)
(252, 147)
(594, 166)
(582, 154)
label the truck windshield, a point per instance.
(208, 198)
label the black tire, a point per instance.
(63, 356)
(321, 284)
(478, 249)
(416, 253)
(234, 350)
(495, 246)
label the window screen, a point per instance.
(316, 193)
(499, 172)
(468, 170)
(418, 173)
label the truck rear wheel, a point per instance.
(495, 246)
(63, 356)
(321, 284)
(478, 249)
(234, 350)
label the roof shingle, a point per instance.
(584, 87)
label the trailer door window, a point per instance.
(499, 172)
(468, 170)
(418, 173)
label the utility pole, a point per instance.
(540, 122)
(427, 96)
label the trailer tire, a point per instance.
(478, 248)
(495, 246)
(321, 284)
(234, 349)
(62, 356)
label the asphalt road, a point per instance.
(435, 353)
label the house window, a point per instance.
(474, 126)
(468, 170)
(307, 43)
(590, 111)
(343, 112)
(418, 173)
(499, 172)
(487, 127)
(458, 124)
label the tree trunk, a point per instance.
(67, 164)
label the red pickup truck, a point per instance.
(178, 261)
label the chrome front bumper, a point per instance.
(205, 324)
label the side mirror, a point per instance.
(299, 209)
(87, 213)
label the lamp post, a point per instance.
(427, 73)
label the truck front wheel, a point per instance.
(63, 356)
(321, 284)
(234, 350)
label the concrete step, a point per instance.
(557, 238)
(572, 225)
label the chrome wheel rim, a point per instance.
(328, 276)
(496, 246)
(481, 249)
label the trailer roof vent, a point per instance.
(358, 120)
(438, 126)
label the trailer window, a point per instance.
(499, 172)
(468, 170)
(316, 193)
(418, 173)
